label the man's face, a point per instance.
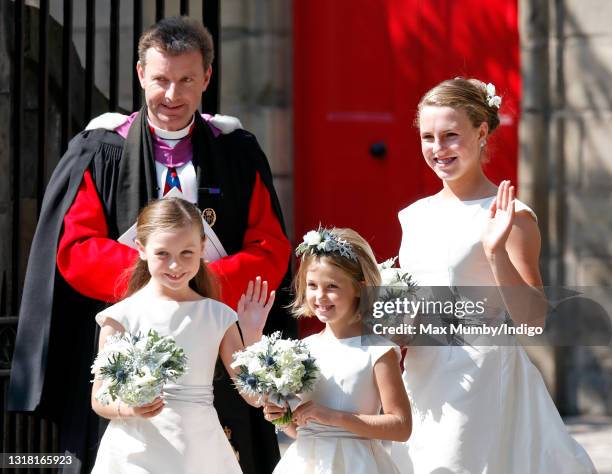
(173, 87)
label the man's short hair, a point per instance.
(177, 35)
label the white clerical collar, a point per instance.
(175, 135)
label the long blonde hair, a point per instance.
(167, 215)
(363, 272)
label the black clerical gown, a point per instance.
(57, 335)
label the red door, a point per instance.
(360, 67)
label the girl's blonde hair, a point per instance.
(467, 94)
(363, 272)
(164, 215)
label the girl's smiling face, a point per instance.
(450, 144)
(331, 294)
(173, 258)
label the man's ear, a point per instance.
(207, 76)
(140, 71)
(141, 250)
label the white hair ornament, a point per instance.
(492, 99)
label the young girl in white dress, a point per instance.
(172, 292)
(339, 426)
(477, 409)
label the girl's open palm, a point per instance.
(501, 217)
(253, 310)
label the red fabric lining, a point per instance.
(265, 251)
(89, 261)
(98, 267)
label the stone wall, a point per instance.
(256, 48)
(565, 170)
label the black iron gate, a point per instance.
(53, 92)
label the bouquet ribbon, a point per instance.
(291, 402)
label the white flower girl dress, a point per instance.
(346, 383)
(186, 436)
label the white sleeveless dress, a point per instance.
(347, 384)
(186, 437)
(476, 409)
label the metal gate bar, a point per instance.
(22, 432)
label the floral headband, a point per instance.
(323, 241)
(492, 99)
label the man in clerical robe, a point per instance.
(109, 172)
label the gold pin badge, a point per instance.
(210, 216)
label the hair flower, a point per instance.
(312, 238)
(492, 99)
(323, 241)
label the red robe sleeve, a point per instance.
(93, 264)
(98, 267)
(265, 251)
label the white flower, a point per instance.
(312, 238)
(254, 366)
(387, 264)
(285, 346)
(102, 395)
(141, 344)
(102, 360)
(492, 99)
(240, 358)
(389, 276)
(145, 379)
(118, 344)
(495, 102)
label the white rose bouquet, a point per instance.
(278, 368)
(134, 368)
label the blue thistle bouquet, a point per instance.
(134, 368)
(278, 368)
